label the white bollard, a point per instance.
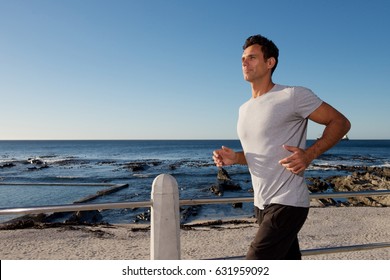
(165, 219)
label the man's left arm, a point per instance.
(336, 126)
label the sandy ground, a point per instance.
(325, 227)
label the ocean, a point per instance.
(137, 163)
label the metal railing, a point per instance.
(149, 203)
(165, 204)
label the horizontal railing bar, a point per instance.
(74, 207)
(113, 205)
(343, 249)
(330, 250)
(201, 201)
(60, 184)
(216, 200)
(349, 194)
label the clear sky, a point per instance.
(171, 69)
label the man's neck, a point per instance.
(261, 88)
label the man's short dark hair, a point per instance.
(268, 47)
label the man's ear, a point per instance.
(271, 62)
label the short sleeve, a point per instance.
(305, 101)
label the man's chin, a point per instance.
(247, 78)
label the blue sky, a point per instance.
(172, 69)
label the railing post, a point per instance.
(165, 219)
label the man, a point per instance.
(272, 129)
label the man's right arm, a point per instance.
(227, 156)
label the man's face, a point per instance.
(254, 66)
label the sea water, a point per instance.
(137, 163)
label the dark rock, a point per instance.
(38, 164)
(93, 216)
(30, 217)
(217, 189)
(141, 165)
(138, 168)
(230, 186)
(186, 212)
(317, 184)
(172, 167)
(144, 216)
(223, 175)
(26, 221)
(7, 165)
(56, 216)
(18, 225)
(37, 161)
(224, 183)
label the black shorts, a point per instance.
(277, 237)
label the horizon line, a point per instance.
(166, 139)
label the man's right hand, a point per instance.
(224, 156)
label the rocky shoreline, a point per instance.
(362, 178)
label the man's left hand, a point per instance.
(297, 162)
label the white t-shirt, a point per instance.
(265, 124)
